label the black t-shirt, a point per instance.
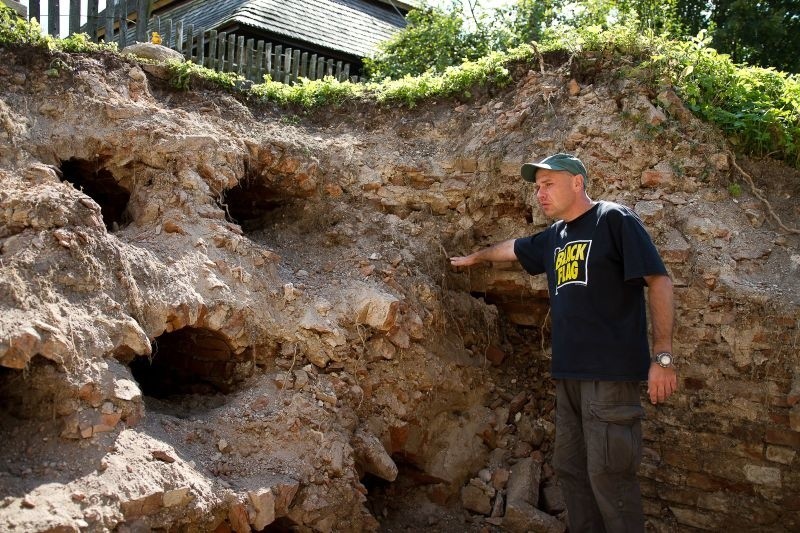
(595, 266)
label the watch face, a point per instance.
(664, 359)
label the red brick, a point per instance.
(703, 481)
(782, 419)
(682, 458)
(784, 437)
(710, 482)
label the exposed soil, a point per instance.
(219, 315)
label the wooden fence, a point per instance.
(220, 51)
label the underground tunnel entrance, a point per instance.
(189, 361)
(30, 394)
(252, 204)
(101, 186)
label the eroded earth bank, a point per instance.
(223, 316)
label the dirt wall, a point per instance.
(219, 315)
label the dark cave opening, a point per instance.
(413, 501)
(189, 361)
(280, 525)
(33, 393)
(102, 187)
(251, 204)
(518, 307)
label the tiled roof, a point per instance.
(349, 26)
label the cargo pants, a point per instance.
(598, 450)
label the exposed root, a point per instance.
(761, 197)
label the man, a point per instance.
(598, 258)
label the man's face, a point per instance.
(556, 191)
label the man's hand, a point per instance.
(464, 261)
(661, 383)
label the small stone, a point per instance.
(162, 455)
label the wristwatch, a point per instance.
(664, 359)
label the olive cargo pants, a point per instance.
(597, 453)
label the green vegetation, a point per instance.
(15, 30)
(408, 90)
(182, 72)
(759, 108)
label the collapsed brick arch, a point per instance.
(102, 187)
(36, 393)
(191, 360)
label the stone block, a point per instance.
(675, 249)
(154, 52)
(523, 483)
(127, 390)
(781, 454)
(476, 500)
(237, 516)
(694, 518)
(674, 105)
(657, 178)
(371, 456)
(176, 497)
(143, 506)
(650, 210)
(262, 510)
(714, 501)
(376, 308)
(284, 494)
(522, 517)
(763, 475)
(704, 481)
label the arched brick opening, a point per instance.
(189, 361)
(101, 185)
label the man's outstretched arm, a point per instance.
(502, 251)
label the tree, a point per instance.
(765, 33)
(527, 19)
(434, 39)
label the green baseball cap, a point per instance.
(567, 162)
